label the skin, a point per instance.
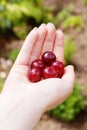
(22, 103)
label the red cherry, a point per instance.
(49, 72)
(48, 57)
(34, 75)
(59, 66)
(38, 63)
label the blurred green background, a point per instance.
(18, 17)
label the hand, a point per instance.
(22, 103)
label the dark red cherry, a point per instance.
(38, 63)
(59, 66)
(49, 72)
(48, 57)
(34, 75)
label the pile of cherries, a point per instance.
(46, 67)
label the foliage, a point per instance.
(17, 15)
(67, 20)
(1, 84)
(23, 31)
(73, 21)
(68, 110)
(63, 14)
(69, 49)
(85, 1)
(19, 12)
(13, 55)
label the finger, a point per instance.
(49, 40)
(59, 45)
(69, 75)
(25, 52)
(54, 91)
(38, 45)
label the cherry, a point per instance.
(58, 65)
(38, 63)
(46, 67)
(49, 72)
(34, 75)
(48, 57)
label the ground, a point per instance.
(79, 59)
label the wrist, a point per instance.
(15, 114)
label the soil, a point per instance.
(79, 60)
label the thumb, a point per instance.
(54, 91)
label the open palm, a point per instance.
(44, 94)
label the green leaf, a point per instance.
(21, 31)
(63, 14)
(73, 21)
(1, 84)
(69, 49)
(85, 1)
(13, 55)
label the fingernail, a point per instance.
(35, 28)
(50, 23)
(71, 66)
(43, 24)
(60, 34)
